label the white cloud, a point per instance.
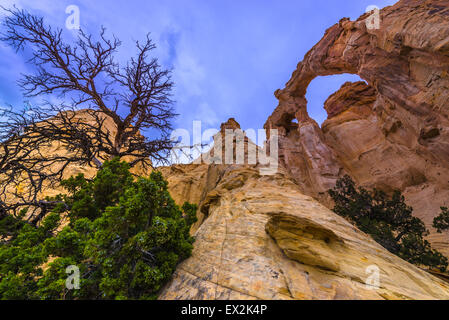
(47, 6)
(189, 73)
(207, 115)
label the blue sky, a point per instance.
(228, 56)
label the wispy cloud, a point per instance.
(228, 56)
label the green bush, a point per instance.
(441, 222)
(126, 236)
(388, 220)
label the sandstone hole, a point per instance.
(320, 89)
(289, 122)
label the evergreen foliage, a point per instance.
(126, 236)
(441, 222)
(388, 220)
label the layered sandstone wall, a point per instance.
(260, 237)
(391, 132)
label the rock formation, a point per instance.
(391, 132)
(260, 237)
(266, 237)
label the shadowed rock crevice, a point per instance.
(305, 241)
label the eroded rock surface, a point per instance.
(391, 132)
(262, 238)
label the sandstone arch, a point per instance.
(392, 133)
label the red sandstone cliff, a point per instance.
(391, 133)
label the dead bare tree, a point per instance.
(136, 97)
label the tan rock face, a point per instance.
(391, 133)
(262, 238)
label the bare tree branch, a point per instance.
(84, 74)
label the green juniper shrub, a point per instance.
(125, 235)
(441, 222)
(389, 220)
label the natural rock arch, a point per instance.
(320, 90)
(389, 59)
(394, 132)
